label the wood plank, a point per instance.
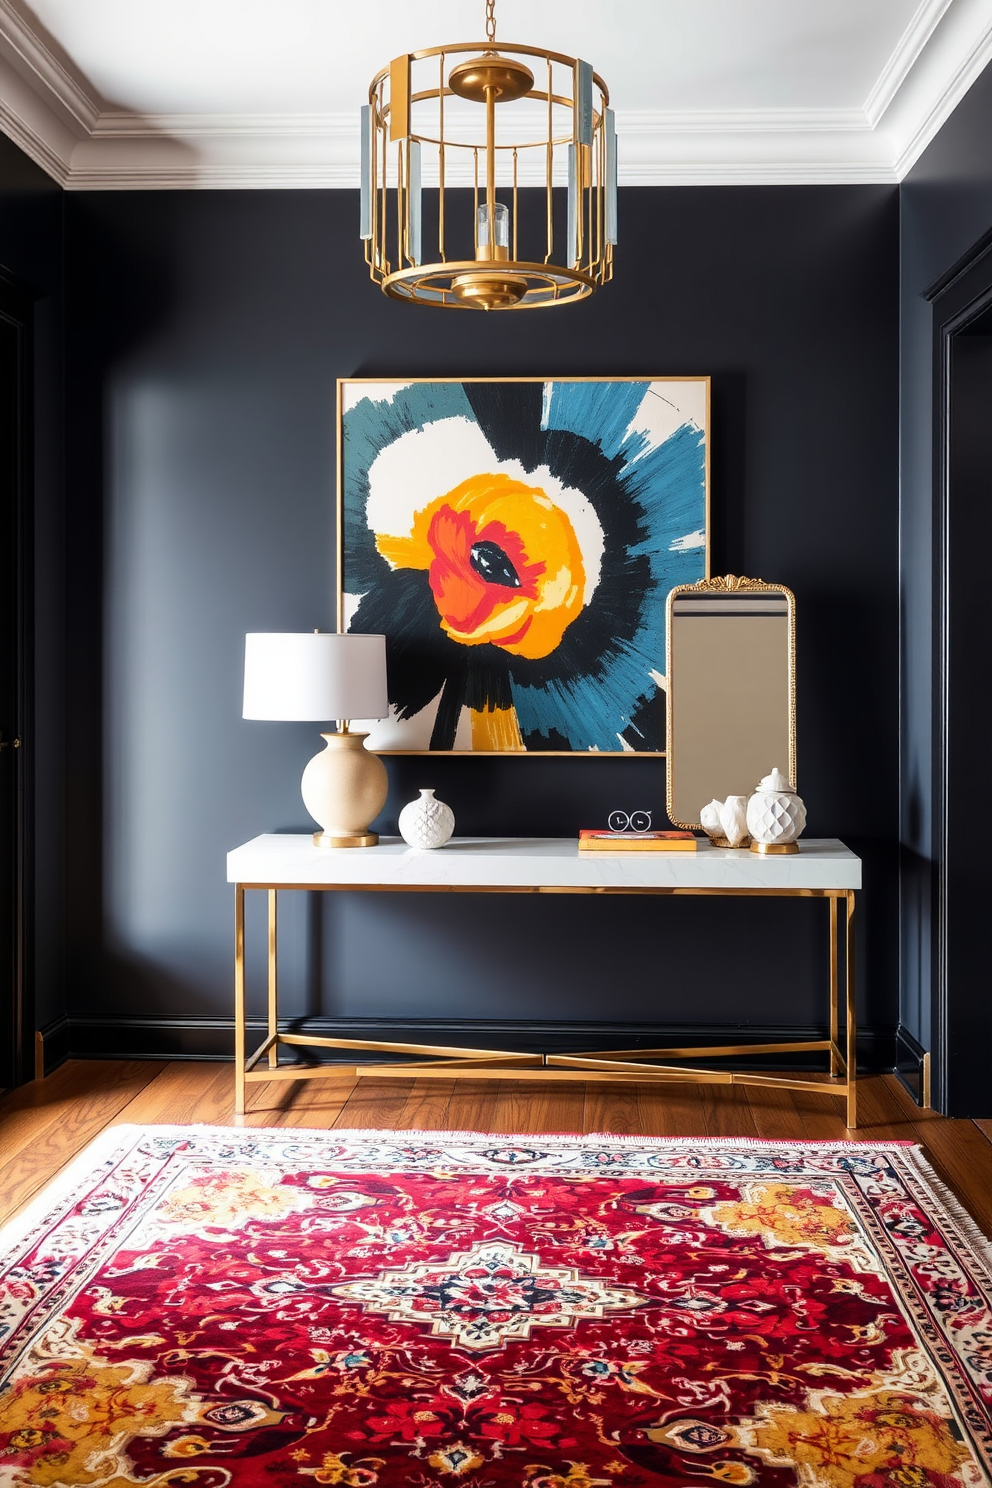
(316, 1103)
(984, 1126)
(473, 1105)
(531, 1107)
(27, 1111)
(891, 1090)
(68, 1132)
(882, 1115)
(183, 1092)
(774, 1112)
(822, 1119)
(375, 1104)
(612, 1108)
(727, 1112)
(672, 1110)
(427, 1105)
(74, 1073)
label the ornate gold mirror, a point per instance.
(731, 690)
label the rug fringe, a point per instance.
(971, 1231)
(528, 1138)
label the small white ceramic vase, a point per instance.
(426, 823)
(725, 822)
(775, 815)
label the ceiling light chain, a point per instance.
(556, 135)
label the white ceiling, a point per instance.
(176, 93)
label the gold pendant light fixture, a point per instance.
(489, 177)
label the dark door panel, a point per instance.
(16, 1022)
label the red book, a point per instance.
(593, 840)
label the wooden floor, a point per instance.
(44, 1125)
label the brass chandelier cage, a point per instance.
(511, 206)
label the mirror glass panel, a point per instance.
(731, 691)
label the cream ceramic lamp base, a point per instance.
(344, 787)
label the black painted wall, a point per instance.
(205, 333)
(31, 253)
(946, 208)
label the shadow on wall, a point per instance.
(138, 281)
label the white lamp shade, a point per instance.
(316, 676)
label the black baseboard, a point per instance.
(56, 1046)
(138, 1037)
(910, 1055)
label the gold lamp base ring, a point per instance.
(488, 289)
(463, 284)
(355, 839)
(774, 849)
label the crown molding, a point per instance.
(961, 54)
(50, 110)
(909, 48)
(166, 152)
(52, 76)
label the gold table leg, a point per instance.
(273, 984)
(239, 1000)
(834, 1062)
(852, 1020)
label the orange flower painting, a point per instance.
(515, 542)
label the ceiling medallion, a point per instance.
(446, 132)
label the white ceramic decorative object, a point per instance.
(725, 822)
(733, 819)
(709, 819)
(426, 822)
(775, 815)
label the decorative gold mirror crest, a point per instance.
(731, 670)
(492, 122)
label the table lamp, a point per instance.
(323, 676)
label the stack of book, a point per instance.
(592, 840)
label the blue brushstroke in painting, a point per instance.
(373, 423)
(607, 407)
(668, 482)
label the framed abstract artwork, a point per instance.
(515, 540)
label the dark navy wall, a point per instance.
(946, 208)
(31, 252)
(205, 334)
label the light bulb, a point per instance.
(498, 245)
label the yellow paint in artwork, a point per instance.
(538, 540)
(496, 729)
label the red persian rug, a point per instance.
(209, 1307)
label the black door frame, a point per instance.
(16, 764)
(959, 298)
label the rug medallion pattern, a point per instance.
(213, 1307)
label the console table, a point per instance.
(823, 869)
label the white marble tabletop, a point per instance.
(274, 860)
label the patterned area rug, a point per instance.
(202, 1306)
